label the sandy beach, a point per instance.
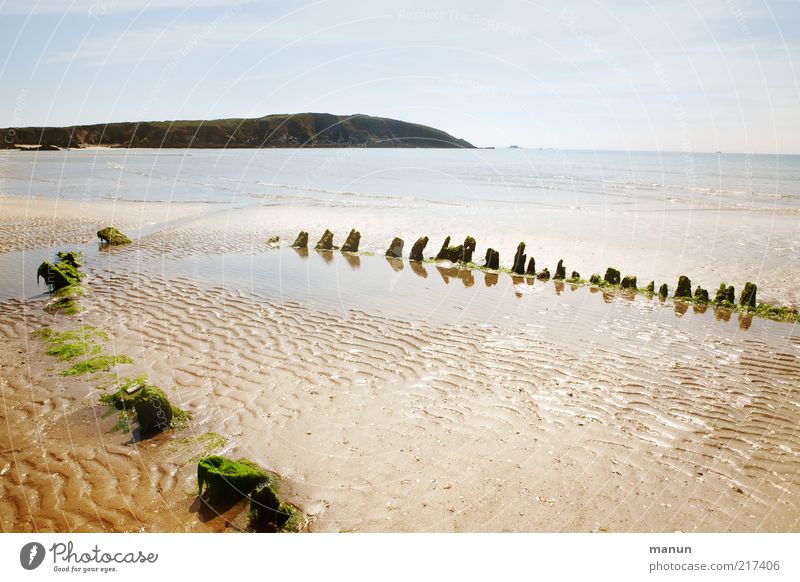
(390, 395)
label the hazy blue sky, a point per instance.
(621, 74)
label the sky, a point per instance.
(717, 75)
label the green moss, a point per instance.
(208, 443)
(64, 306)
(748, 296)
(612, 276)
(74, 258)
(226, 481)
(123, 423)
(111, 236)
(268, 513)
(629, 282)
(777, 313)
(96, 364)
(71, 343)
(325, 243)
(154, 411)
(684, 288)
(301, 242)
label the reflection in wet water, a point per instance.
(396, 264)
(419, 269)
(721, 314)
(559, 287)
(699, 308)
(490, 279)
(681, 308)
(302, 253)
(327, 256)
(465, 275)
(353, 260)
(745, 321)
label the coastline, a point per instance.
(389, 399)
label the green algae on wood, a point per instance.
(448, 253)
(154, 411)
(111, 236)
(73, 258)
(269, 514)
(518, 266)
(725, 296)
(594, 279)
(224, 480)
(663, 291)
(325, 243)
(418, 248)
(628, 282)
(561, 271)
(301, 242)
(684, 288)
(492, 259)
(468, 248)
(651, 288)
(701, 295)
(612, 276)
(351, 242)
(748, 297)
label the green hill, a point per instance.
(279, 131)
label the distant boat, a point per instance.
(515, 147)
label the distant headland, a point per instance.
(316, 130)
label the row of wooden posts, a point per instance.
(527, 267)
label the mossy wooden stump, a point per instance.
(612, 276)
(725, 296)
(561, 271)
(594, 279)
(651, 288)
(224, 480)
(492, 260)
(519, 259)
(468, 248)
(684, 288)
(628, 282)
(418, 249)
(325, 243)
(748, 297)
(544, 275)
(301, 242)
(154, 411)
(701, 295)
(269, 514)
(111, 236)
(351, 243)
(395, 250)
(663, 291)
(448, 253)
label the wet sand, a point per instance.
(397, 397)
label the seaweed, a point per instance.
(111, 236)
(96, 364)
(227, 481)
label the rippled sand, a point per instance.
(400, 397)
